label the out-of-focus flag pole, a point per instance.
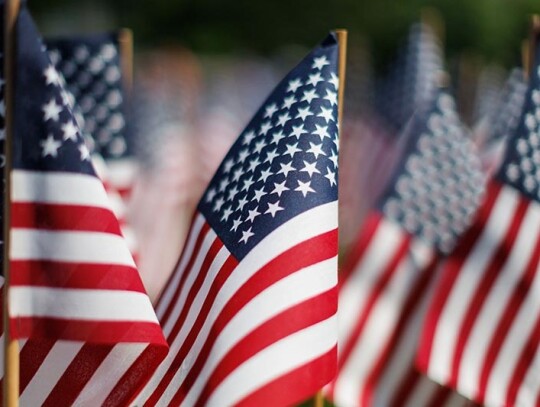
(529, 45)
(342, 64)
(125, 41)
(11, 348)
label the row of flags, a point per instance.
(435, 302)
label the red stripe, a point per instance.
(490, 274)
(302, 255)
(364, 314)
(31, 356)
(449, 274)
(292, 320)
(43, 273)
(513, 306)
(63, 217)
(185, 271)
(441, 396)
(77, 374)
(301, 383)
(406, 387)
(369, 228)
(414, 299)
(87, 331)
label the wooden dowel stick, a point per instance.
(11, 348)
(342, 64)
(125, 42)
(533, 41)
(319, 399)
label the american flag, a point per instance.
(482, 331)
(87, 329)
(250, 311)
(92, 69)
(387, 279)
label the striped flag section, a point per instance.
(87, 331)
(387, 280)
(250, 311)
(482, 330)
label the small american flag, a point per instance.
(387, 279)
(250, 311)
(482, 332)
(76, 300)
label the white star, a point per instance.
(279, 188)
(277, 136)
(227, 166)
(283, 118)
(294, 84)
(243, 155)
(271, 155)
(70, 131)
(241, 203)
(331, 97)
(85, 154)
(250, 135)
(310, 168)
(273, 208)
(309, 95)
(223, 184)
(218, 204)
(265, 174)
(331, 176)
(321, 131)
(304, 187)
(259, 193)
(51, 110)
(210, 194)
(237, 174)
(232, 193)
(319, 63)
(252, 215)
(246, 235)
(253, 164)
(334, 81)
(236, 222)
(316, 149)
(292, 149)
(288, 102)
(248, 182)
(259, 145)
(270, 110)
(51, 76)
(297, 131)
(326, 114)
(334, 159)
(50, 146)
(314, 79)
(226, 213)
(286, 168)
(2, 107)
(265, 127)
(303, 113)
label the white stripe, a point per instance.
(513, 344)
(275, 361)
(422, 391)
(489, 317)
(50, 371)
(109, 373)
(121, 172)
(171, 288)
(530, 387)
(295, 231)
(381, 322)
(73, 246)
(356, 291)
(457, 304)
(58, 188)
(284, 294)
(116, 203)
(102, 305)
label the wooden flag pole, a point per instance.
(341, 35)
(533, 41)
(125, 44)
(433, 18)
(525, 51)
(11, 347)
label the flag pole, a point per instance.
(341, 35)
(533, 40)
(125, 43)
(11, 347)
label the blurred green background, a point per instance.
(492, 29)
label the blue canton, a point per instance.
(285, 161)
(439, 185)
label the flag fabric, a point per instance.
(250, 311)
(482, 331)
(87, 329)
(387, 279)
